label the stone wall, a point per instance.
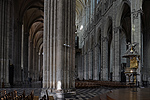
(105, 12)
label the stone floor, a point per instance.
(130, 94)
(84, 94)
(81, 94)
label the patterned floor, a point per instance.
(84, 94)
(81, 94)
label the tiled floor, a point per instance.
(84, 94)
(81, 94)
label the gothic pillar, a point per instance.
(79, 66)
(1, 42)
(136, 35)
(16, 54)
(39, 63)
(30, 57)
(25, 57)
(116, 68)
(45, 43)
(96, 63)
(85, 64)
(58, 58)
(105, 60)
(90, 64)
(34, 63)
(4, 40)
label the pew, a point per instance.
(94, 84)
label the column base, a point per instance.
(6, 85)
(59, 94)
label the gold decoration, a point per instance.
(133, 63)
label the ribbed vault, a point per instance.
(80, 4)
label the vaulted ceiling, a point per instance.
(31, 14)
(80, 5)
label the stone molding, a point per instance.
(136, 13)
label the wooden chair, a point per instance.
(15, 93)
(24, 94)
(32, 95)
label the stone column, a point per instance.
(16, 54)
(51, 55)
(59, 44)
(136, 35)
(1, 42)
(85, 65)
(105, 60)
(45, 44)
(25, 55)
(4, 40)
(30, 57)
(36, 71)
(80, 66)
(96, 63)
(90, 65)
(34, 63)
(39, 64)
(48, 46)
(58, 30)
(116, 69)
(72, 61)
(7, 29)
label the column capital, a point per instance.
(104, 38)
(136, 13)
(116, 29)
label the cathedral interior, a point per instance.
(75, 46)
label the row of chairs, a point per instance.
(93, 84)
(13, 96)
(8, 96)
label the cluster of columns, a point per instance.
(34, 62)
(4, 40)
(11, 45)
(58, 44)
(24, 56)
(88, 63)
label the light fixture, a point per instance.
(67, 45)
